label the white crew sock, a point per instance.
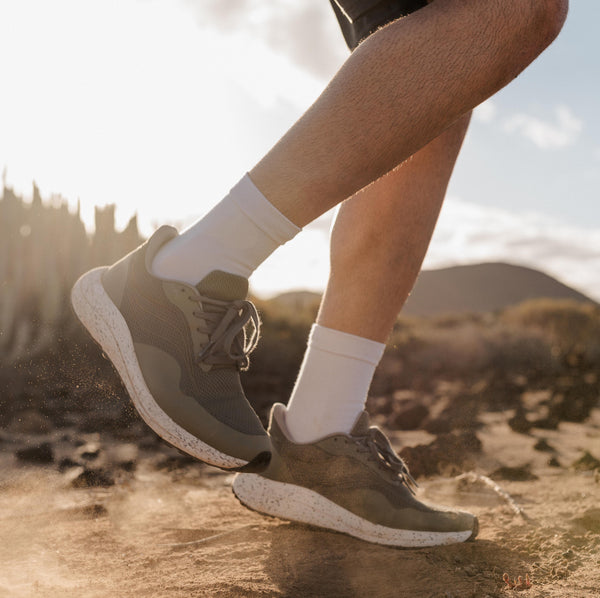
(331, 389)
(236, 236)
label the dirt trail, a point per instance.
(181, 533)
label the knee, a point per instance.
(535, 25)
(550, 17)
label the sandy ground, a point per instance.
(179, 532)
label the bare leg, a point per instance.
(399, 90)
(380, 238)
(378, 242)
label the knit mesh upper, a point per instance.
(154, 320)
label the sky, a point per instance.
(160, 106)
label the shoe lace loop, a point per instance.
(225, 324)
(381, 449)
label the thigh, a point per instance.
(359, 18)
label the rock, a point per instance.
(543, 446)
(408, 415)
(93, 478)
(41, 454)
(128, 466)
(177, 461)
(447, 454)
(457, 413)
(94, 511)
(546, 423)
(513, 474)
(502, 393)
(587, 462)
(575, 402)
(519, 422)
(437, 425)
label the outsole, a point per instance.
(301, 505)
(102, 319)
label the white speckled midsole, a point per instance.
(107, 326)
(296, 503)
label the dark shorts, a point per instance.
(359, 18)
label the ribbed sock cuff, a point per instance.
(262, 212)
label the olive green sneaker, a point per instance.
(179, 350)
(354, 484)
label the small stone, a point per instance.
(176, 461)
(546, 423)
(587, 462)
(554, 462)
(513, 474)
(447, 453)
(409, 415)
(543, 446)
(94, 511)
(93, 478)
(519, 422)
(40, 454)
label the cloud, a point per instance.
(305, 32)
(466, 233)
(470, 233)
(561, 133)
(486, 112)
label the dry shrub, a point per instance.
(470, 348)
(571, 328)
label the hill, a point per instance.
(481, 288)
(476, 288)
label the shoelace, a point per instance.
(381, 449)
(225, 323)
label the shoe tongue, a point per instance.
(223, 286)
(361, 426)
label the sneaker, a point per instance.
(355, 484)
(179, 350)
